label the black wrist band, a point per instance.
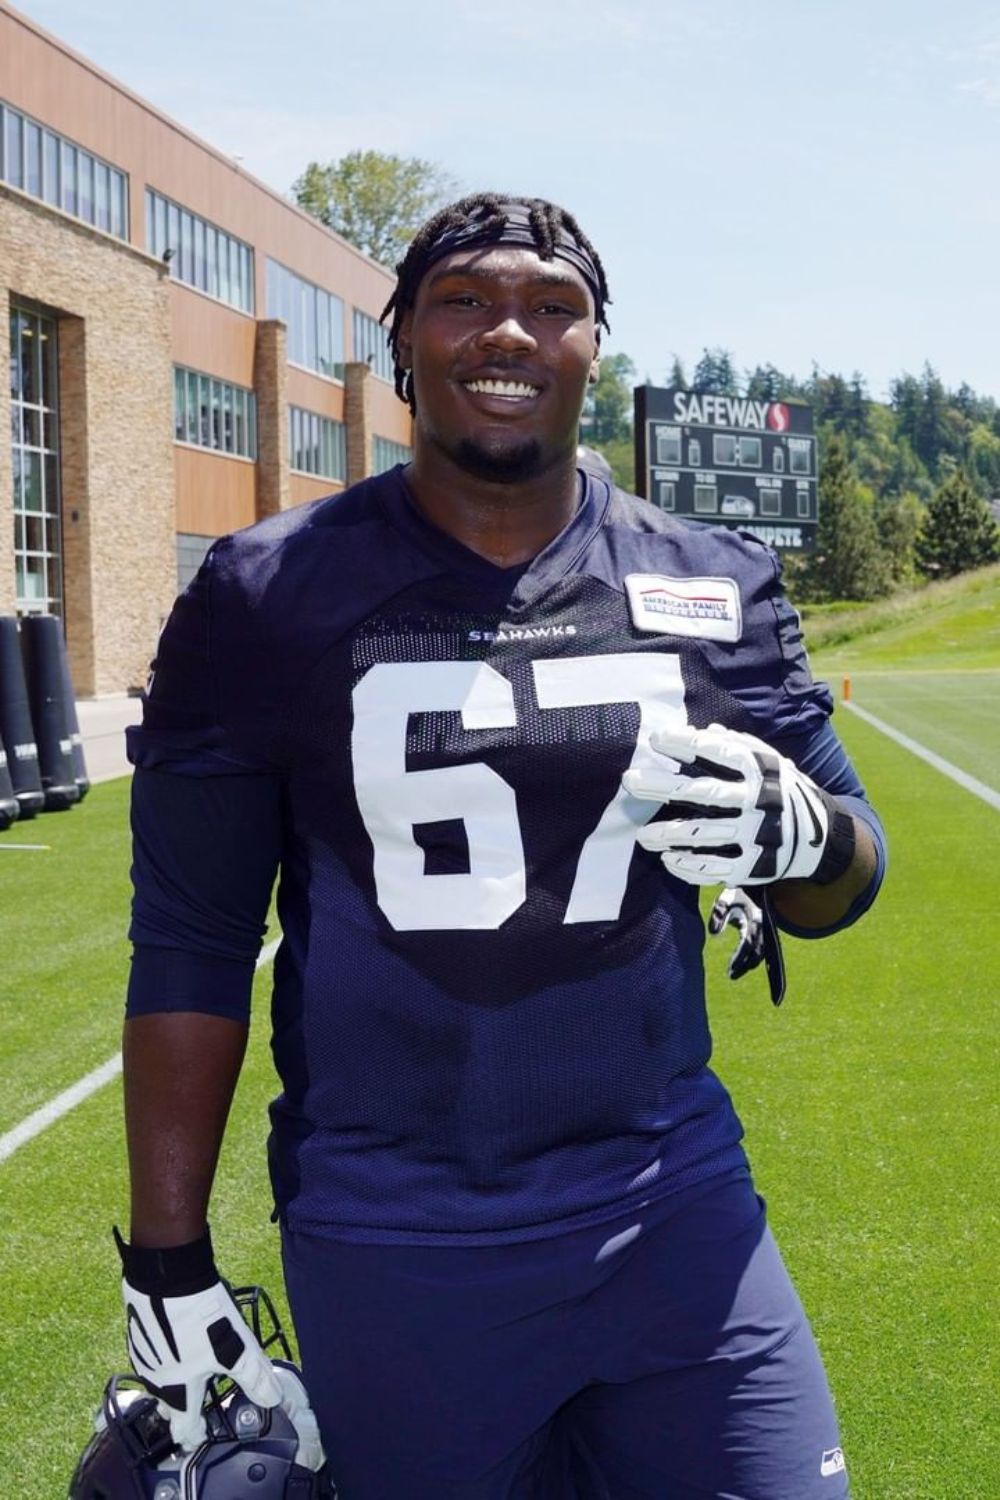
(840, 842)
(178, 1271)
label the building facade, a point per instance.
(188, 353)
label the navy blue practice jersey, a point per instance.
(489, 1012)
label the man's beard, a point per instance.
(503, 466)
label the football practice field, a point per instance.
(869, 1100)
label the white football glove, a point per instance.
(749, 815)
(734, 908)
(758, 937)
(177, 1344)
(295, 1400)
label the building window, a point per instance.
(386, 454)
(13, 147)
(668, 445)
(799, 456)
(202, 256)
(666, 494)
(315, 321)
(34, 414)
(802, 504)
(723, 448)
(371, 345)
(770, 502)
(750, 452)
(706, 500)
(191, 551)
(49, 167)
(316, 445)
(211, 413)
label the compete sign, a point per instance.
(730, 461)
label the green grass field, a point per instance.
(869, 1101)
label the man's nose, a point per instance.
(508, 333)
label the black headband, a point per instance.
(515, 229)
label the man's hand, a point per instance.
(758, 937)
(183, 1329)
(749, 816)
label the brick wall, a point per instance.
(116, 423)
(358, 420)
(7, 586)
(270, 378)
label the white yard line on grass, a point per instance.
(61, 1105)
(962, 778)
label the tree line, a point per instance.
(905, 486)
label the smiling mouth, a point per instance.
(507, 390)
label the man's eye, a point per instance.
(549, 308)
(463, 299)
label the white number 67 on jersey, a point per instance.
(393, 799)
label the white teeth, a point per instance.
(518, 389)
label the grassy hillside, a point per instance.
(953, 625)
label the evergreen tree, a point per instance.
(767, 383)
(932, 436)
(677, 378)
(958, 531)
(848, 562)
(857, 406)
(967, 402)
(715, 372)
(830, 401)
(906, 402)
(898, 520)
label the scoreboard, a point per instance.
(730, 461)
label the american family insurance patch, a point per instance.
(704, 607)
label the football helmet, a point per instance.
(250, 1451)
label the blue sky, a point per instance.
(796, 180)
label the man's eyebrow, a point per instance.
(545, 276)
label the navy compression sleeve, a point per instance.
(823, 758)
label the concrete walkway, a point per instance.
(102, 729)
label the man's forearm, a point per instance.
(803, 903)
(180, 1069)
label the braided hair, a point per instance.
(485, 211)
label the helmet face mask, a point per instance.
(249, 1449)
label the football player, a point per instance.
(494, 722)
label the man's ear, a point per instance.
(404, 343)
(595, 363)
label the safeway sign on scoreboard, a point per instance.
(729, 460)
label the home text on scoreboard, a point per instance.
(730, 461)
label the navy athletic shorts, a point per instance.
(662, 1356)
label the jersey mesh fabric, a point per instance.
(499, 1076)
